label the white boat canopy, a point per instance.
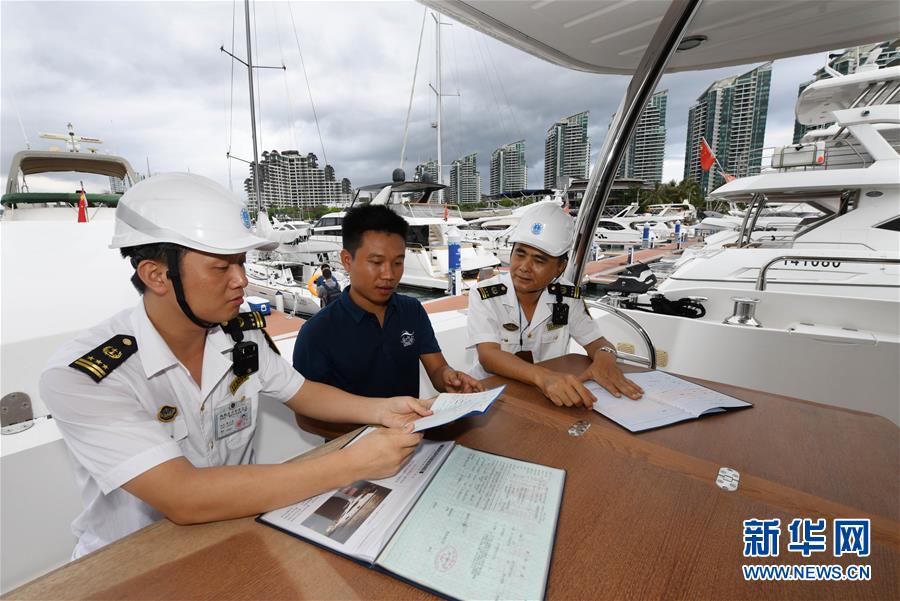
(30, 162)
(820, 99)
(610, 36)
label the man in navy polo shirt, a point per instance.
(370, 340)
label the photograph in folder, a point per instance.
(455, 521)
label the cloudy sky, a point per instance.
(149, 79)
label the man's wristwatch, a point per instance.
(609, 349)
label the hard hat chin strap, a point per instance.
(174, 274)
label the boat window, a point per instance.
(610, 225)
(892, 225)
(417, 234)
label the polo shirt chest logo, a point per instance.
(167, 413)
(407, 338)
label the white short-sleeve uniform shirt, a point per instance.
(499, 319)
(149, 410)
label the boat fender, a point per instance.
(101, 361)
(491, 291)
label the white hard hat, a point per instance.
(186, 209)
(546, 227)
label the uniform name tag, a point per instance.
(233, 418)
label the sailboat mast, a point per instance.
(437, 45)
(257, 184)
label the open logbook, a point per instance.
(458, 522)
(667, 400)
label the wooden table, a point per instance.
(642, 517)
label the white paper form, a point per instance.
(483, 529)
(359, 519)
(448, 407)
(667, 399)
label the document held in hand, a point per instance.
(458, 522)
(667, 400)
(449, 407)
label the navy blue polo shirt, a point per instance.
(344, 345)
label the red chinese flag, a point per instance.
(728, 177)
(707, 158)
(82, 208)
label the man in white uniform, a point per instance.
(159, 404)
(529, 314)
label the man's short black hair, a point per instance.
(374, 218)
(152, 252)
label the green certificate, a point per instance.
(483, 529)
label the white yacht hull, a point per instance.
(808, 347)
(295, 300)
(428, 268)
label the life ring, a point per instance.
(311, 283)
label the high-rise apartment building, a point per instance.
(509, 171)
(290, 179)
(430, 167)
(116, 185)
(846, 63)
(465, 181)
(644, 154)
(567, 151)
(731, 116)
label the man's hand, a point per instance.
(565, 390)
(396, 412)
(380, 454)
(606, 372)
(457, 381)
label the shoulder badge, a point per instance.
(491, 291)
(101, 361)
(565, 290)
(270, 342)
(247, 321)
(167, 413)
(251, 321)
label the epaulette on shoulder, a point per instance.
(251, 321)
(101, 361)
(247, 321)
(270, 342)
(565, 290)
(491, 291)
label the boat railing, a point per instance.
(836, 154)
(815, 261)
(650, 359)
(426, 210)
